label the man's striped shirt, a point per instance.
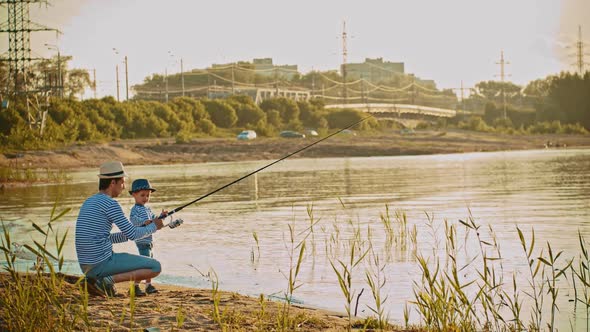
(94, 240)
(139, 214)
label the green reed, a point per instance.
(583, 275)
(180, 316)
(536, 272)
(344, 269)
(555, 272)
(296, 251)
(376, 279)
(216, 300)
(253, 257)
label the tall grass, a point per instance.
(344, 269)
(583, 275)
(296, 252)
(29, 175)
(33, 302)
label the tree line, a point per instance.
(94, 120)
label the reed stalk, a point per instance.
(344, 270)
(555, 272)
(536, 272)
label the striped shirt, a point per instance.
(94, 240)
(139, 214)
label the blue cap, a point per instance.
(141, 184)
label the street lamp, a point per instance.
(126, 77)
(60, 85)
(174, 61)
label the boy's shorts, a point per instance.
(120, 263)
(145, 249)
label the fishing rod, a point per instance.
(262, 168)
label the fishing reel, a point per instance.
(175, 223)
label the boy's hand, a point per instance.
(164, 214)
(159, 223)
(147, 222)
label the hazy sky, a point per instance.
(447, 41)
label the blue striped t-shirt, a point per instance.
(139, 214)
(94, 240)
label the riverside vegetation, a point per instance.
(457, 290)
(561, 105)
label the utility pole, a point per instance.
(502, 63)
(462, 89)
(94, 82)
(117, 78)
(166, 82)
(413, 89)
(126, 81)
(182, 76)
(312, 82)
(276, 77)
(60, 85)
(344, 56)
(233, 80)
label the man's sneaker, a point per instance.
(100, 287)
(138, 291)
(150, 289)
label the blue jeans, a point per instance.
(120, 263)
(145, 249)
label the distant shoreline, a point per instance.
(166, 151)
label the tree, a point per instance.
(221, 113)
(492, 90)
(75, 82)
(287, 108)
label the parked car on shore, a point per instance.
(246, 135)
(348, 132)
(291, 134)
(311, 132)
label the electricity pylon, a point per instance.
(19, 28)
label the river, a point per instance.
(544, 190)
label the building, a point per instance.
(374, 70)
(259, 94)
(265, 67)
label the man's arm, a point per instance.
(128, 230)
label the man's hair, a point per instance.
(105, 183)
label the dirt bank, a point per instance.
(166, 151)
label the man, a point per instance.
(94, 240)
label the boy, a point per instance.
(141, 215)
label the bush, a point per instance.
(475, 123)
(183, 137)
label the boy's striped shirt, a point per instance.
(94, 240)
(139, 214)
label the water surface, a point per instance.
(548, 190)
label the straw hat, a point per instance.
(112, 170)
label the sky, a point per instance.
(450, 41)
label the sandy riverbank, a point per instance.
(166, 151)
(176, 308)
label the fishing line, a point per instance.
(262, 168)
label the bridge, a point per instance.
(385, 110)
